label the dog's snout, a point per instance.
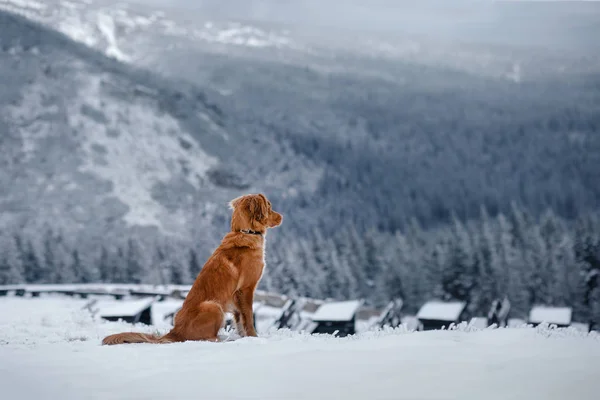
(277, 218)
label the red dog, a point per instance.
(227, 280)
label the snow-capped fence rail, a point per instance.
(276, 311)
(118, 291)
(18, 290)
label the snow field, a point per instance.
(50, 348)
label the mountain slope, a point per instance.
(88, 142)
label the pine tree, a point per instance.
(272, 274)
(373, 263)
(49, 263)
(458, 278)
(341, 282)
(320, 261)
(567, 279)
(587, 255)
(58, 260)
(513, 265)
(175, 267)
(559, 259)
(427, 254)
(158, 265)
(104, 268)
(78, 271)
(537, 268)
(84, 268)
(287, 271)
(492, 281)
(193, 265)
(137, 263)
(119, 266)
(353, 253)
(437, 260)
(311, 280)
(390, 284)
(407, 273)
(11, 264)
(32, 264)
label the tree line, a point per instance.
(531, 260)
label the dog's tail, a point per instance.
(134, 337)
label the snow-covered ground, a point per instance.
(50, 349)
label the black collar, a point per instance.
(250, 232)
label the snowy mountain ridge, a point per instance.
(145, 34)
(114, 27)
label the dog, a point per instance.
(226, 282)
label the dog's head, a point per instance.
(253, 212)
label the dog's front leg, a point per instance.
(244, 299)
(239, 324)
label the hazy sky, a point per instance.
(557, 24)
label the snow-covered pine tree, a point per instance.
(159, 265)
(56, 261)
(104, 268)
(512, 265)
(492, 280)
(428, 253)
(194, 265)
(11, 264)
(538, 272)
(48, 262)
(169, 258)
(567, 281)
(119, 265)
(181, 274)
(587, 255)
(561, 259)
(321, 253)
(437, 259)
(311, 278)
(32, 261)
(288, 271)
(341, 283)
(418, 286)
(391, 281)
(64, 262)
(458, 278)
(137, 263)
(270, 281)
(374, 266)
(84, 267)
(353, 253)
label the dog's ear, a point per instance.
(264, 199)
(235, 202)
(257, 207)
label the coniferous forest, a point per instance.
(545, 260)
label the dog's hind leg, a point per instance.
(209, 318)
